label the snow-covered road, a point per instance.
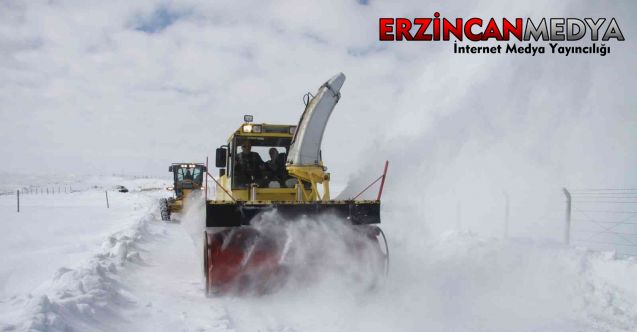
(168, 287)
(145, 275)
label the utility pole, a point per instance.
(567, 229)
(458, 221)
(506, 215)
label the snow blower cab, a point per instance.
(253, 169)
(187, 177)
(271, 168)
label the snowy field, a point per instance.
(71, 264)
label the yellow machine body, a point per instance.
(314, 175)
(308, 191)
(187, 178)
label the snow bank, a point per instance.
(490, 284)
(78, 297)
(82, 245)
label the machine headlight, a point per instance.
(247, 128)
(256, 129)
(248, 118)
(292, 130)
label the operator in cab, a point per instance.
(275, 167)
(249, 166)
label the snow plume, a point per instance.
(193, 219)
(469, 283)
(324, 251)
(321, 249)
(474, 130)
(462, 282)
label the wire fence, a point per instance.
(53, 189)
(604, 219)
(45, 190)
(600, 219)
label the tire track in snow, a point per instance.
(169, 287)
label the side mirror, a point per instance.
(170, 168)
(220, 157)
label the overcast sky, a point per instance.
(115, 86)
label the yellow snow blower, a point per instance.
(270, 168)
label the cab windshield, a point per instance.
(193, 173)
(259, 160)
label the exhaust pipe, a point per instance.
(253, 192)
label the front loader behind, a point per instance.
(187, 178)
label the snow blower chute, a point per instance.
(292, 183)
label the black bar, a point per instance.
(239, 214)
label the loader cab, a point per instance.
(187, 176)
